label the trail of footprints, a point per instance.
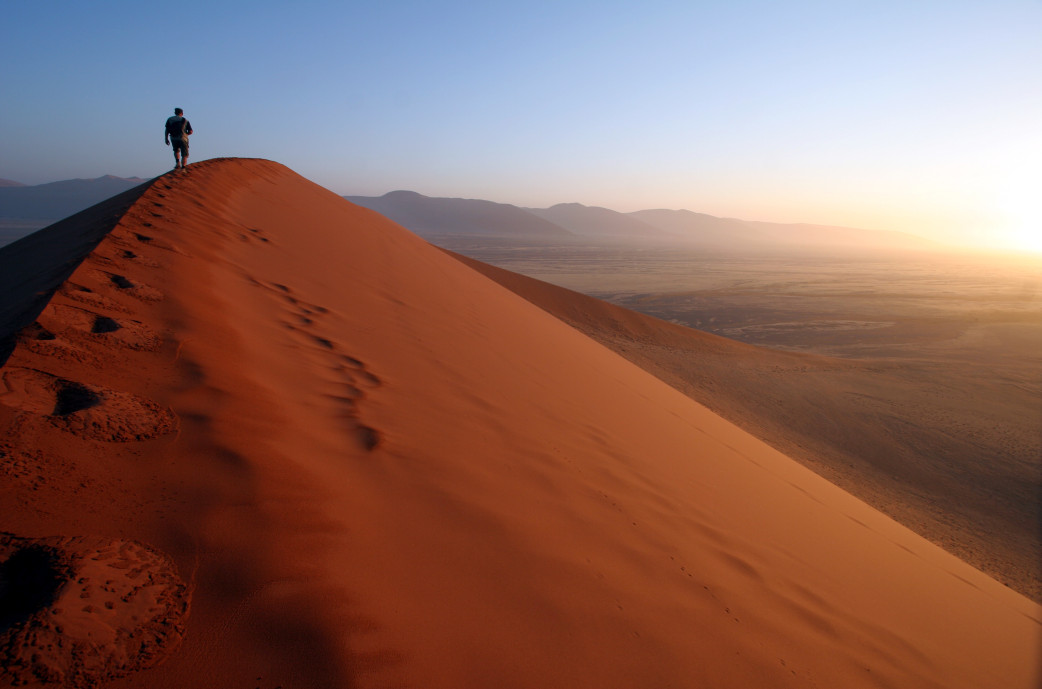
(350, 377)
(93, 325)
(75, 611)
(254, 234)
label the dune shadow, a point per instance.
(73, 397)
(104, 324)
(34, 267)
(30, 580)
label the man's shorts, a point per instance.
(180, 146)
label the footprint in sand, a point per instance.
(76, 612)
(83, 325)
(132, 238)
(125, 285)
(36, 332)
(122, 255)
(88, 411)
(85, 295)
(253, 233)
(40, 340)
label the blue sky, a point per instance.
(910, 115)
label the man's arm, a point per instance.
(166, 135)
(188, 128)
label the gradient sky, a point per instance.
(910, 115)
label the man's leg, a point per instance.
(177, 153)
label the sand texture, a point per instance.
(276, 440)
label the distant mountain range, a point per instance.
(27, 208)
(428, 216)
(432, 217)
(57, 200)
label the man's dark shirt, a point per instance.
(178, 127)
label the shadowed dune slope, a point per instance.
(34, 266)
(306, 448)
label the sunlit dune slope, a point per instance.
(961, 470)
(264, 437)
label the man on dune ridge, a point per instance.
(176, 134)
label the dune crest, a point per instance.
(383, 468)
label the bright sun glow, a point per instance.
(1020, 203)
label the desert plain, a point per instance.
(253, 435)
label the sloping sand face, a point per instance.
(894, 435)
(383, 469)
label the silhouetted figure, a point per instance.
(176, 134)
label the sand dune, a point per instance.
(264, 437)
(955, 468)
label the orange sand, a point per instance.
(372, 466)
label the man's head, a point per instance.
(179, 111)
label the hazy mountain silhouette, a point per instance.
(427, 215)
(596, 221)
(27, 208)
(435, 216)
